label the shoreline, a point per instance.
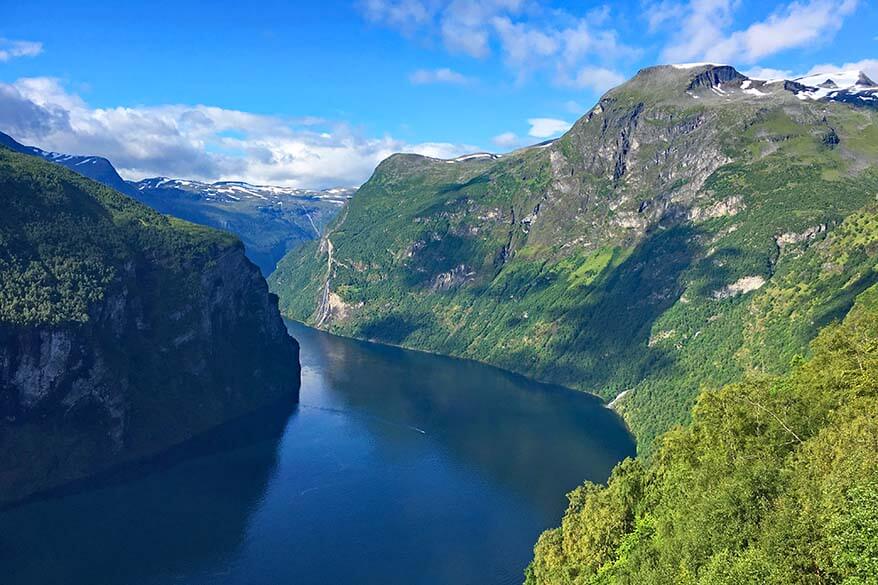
(610, 404)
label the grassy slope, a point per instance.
(63, 238)
(774, 482)
(623, 310)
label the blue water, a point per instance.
(396, 467)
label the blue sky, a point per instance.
(316, 93)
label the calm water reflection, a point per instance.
(397, 467)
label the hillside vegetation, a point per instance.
(64, 238)
(774, 482)
(122, 331)
(685, 232)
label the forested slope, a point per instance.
(122, 331)
(774, 482)
(694, 226)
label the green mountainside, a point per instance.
(122, 331)
(774, 482)
(695, 226)
(269, 220)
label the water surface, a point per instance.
(397, 467)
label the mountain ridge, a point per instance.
(609, 259)
(270, 220)
(122, 331)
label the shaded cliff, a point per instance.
(122, 331)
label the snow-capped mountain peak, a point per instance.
(238, 190)
(853, 87)
(838, 80)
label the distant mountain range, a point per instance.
(270, 220)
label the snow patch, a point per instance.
(832, 84)
(837, 80)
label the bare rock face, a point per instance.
(156, 363)
(452, 278)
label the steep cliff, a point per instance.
(122, 331)
(683, 232)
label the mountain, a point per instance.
(774, 482)
(94, 167)
(269, 220)
(694, 226)
(122, 331)
(853, 87)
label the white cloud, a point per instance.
(439, 149)
(528, 35)
(867, 66)
(698, 25)
(443, 75)
(523, 44)
(659, 14)
(10, 49)
(405, 15)
(702, 35)
(768, 73)
(466, 24)
(506, 140)
(547, 127)
(598, 79)
(199, 142)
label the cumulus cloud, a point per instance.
(547, 127)
(10, 49)
(443, 75)
(199, 142)
(867, 66)
(528, 35)
(506, 140)
(768, 73)
(598, 79)
(703, 33)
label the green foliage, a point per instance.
(163, 329)
(645, 315)
(64, 240)
(268, 230)
(773, 482)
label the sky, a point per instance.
(315, 94)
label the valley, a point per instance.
(685, 232)
(382, 440)
(270, 221)
(668, 313)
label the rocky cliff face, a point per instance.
(172, 345)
